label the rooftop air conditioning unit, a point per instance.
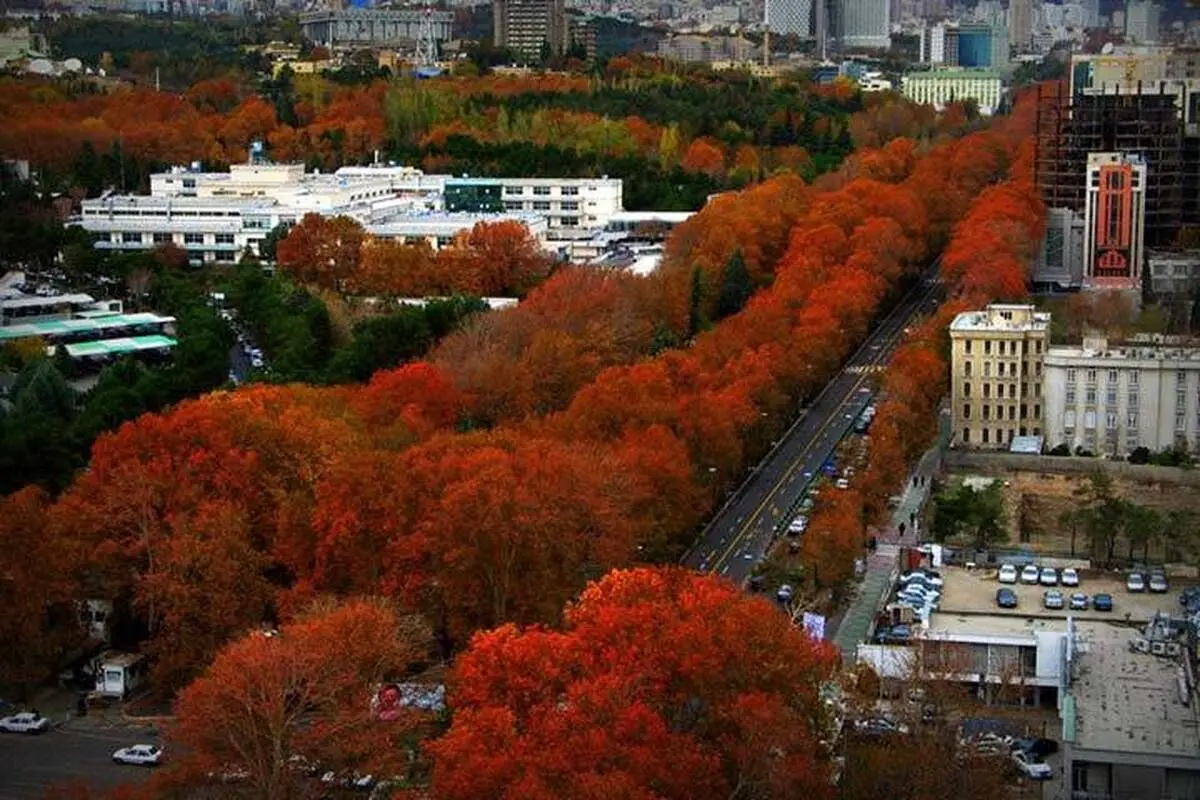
(1158, 648)
(1141, 646)
(1174, 649)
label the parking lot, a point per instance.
(974, 592)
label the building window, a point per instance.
(1037, 348)
(987, 347)
(1131, 420)
(445, 241)
(224, 255)
(1133, 378)
(1024, 412)
(1012, 413)
(967, 368)
(1012, 391)
(987, 411)
(224, 238)
(570, 222)
(1112, 376)
(131, 238)
(193, 238)
(1037, 410)
(1132, 399)
(1091, 376)
(967, 347)
(1025, 347)
(1180, 421)
(542, 191)
(1110, 421)
(987, 390)
(1070, 395)
(966, 389)
(1110, 395)
(1090, 396)
(162, 238)
(570, 191)
(511, 205)
(984, 433)
(1181, 378)
(966, 410)
(541, 205)
(570, 206)
(966, 437)
(511, 190)
(987, 369)
(1071, 375)
(1069, 420)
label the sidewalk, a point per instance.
(881, 564)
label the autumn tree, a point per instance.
(661, 683)
(321, 250)
(38, 587)
(305, 692)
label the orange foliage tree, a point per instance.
(661, 683)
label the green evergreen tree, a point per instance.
(696, 321)
(736, 286)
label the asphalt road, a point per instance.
(29, 765)
(740, 534)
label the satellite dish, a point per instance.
(40, 66)
(73, 65)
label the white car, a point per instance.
(1030, 574)
(842, 483)
(798, 525)
(139, 755)
(1008, 573)
(1135, 582)
(1036, 770)
(1049, 576)
(1069, 577)
(921, 577)
(25, 722)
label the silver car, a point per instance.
(1048, 576)
(1135, 582)
(1030, 574)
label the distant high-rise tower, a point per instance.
(1141, 22)
(864, 23)
(789, 17)
(526, 25)
(1020, 23)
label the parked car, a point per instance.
(1158, 583)
(1069, 577)
(1079, 601)
(25, 722)
(1102, 602)
(785, 593)
(798, 526)
(349, 780)
(842, 483)
(1038, 748)
(139, 755)
(879, 726)
(1031, 574)
(1048, 576)
(899, 634)
(1053, 599)
(1135, 582)
(1030, 767)
(1008, 573)
(1006, 598)
(1189, 598)
(921, 577)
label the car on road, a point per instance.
(1158, 582)
(1135, 582)
(1031, 574)
(1006, 598)
(1053, 599)
(1048, 576)
(1030, 767)
(1102, 602)
(1069, 577)
(879, 726)
(139, 755)
(798, 526)
(25, 722)
(1079, 601)
(1008, 573)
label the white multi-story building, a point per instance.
(216, 217)
(865, 24)
(1114, 400)
(938, 87)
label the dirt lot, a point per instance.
(974, 592)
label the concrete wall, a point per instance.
(1070, 465)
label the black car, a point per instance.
(1006, 598)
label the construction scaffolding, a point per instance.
(1139, 119)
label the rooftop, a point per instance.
(1127, 701)
(112, 347)
(55, 300)
(1002, 318)
(65, 327)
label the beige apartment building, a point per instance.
(996, 374)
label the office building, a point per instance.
(1141, 22)
(1173, 272)
(964, 44)
(1059, 261)
(1114, 399)
(530, 26)
(996, 374)
(370, 27)
(1020, 24)
(864, 24)
(789, 17)
(1114, 221)
(938, 87)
